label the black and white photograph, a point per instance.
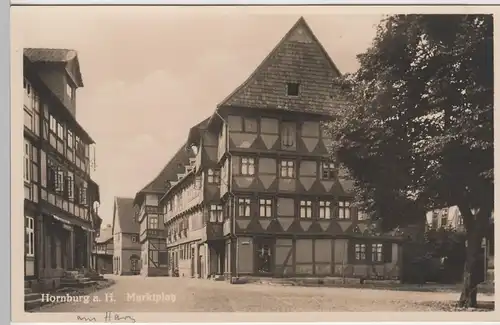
(230, 159)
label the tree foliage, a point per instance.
(416, 130)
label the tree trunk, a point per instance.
(475, 226)
(471, 278)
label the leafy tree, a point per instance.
(416, 127)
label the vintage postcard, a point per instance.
(237, 163)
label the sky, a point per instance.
(151, 73)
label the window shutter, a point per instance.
(66, 188)
(351, 257)
(51, 178)
(77, 194)
(387, 252)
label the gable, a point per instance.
(299, 58)
(161, 183)
(124, 216)
(116, 223)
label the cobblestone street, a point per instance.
(135, 293)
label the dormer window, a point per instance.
(292, 89)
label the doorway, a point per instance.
(264, 250)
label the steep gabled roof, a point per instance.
(66, 56)
(298, 58)
(195, 132)
(124, 214)
(175, 165)
(104, 235)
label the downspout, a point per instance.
(229, 190)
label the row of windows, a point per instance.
(118, 237)
(65, 184)
(287, 168)
(57, 180)
(177, 202)
(377, 252)
(32, 106)
(307, 209)
(183, 252)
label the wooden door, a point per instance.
(264, 255)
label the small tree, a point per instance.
(416, 130)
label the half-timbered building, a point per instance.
(60, 209)
(150, 215)
(103, 250)
(262, 195)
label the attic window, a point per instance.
(292, 89)
(70, 91)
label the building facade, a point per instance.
(258, 193)
(60, 198)
(450, 218)
(150, 215)
(103, 250)
(126, 246)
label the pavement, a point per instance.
(166, 294)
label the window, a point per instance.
(69, 184)
(344, 210)
(27, 161)
(306, 209)
(247, 166)
(327, 170)
(292, 89)
(460, 220)
(134, 239)
(153, 222)
(30, 236)
(70, 139)
(216, 214)
(287, 169)
(377, 252)
(213, 176)
(83, 195)
(53, 124)
(288, 135)
(324, 209)
(243, 207)
(60, 131)
(45, 130)
(51, 174)
(27, 92)
(59, 186)
(360, 252)
(266, 208)
(28, 119)
(69, 91)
